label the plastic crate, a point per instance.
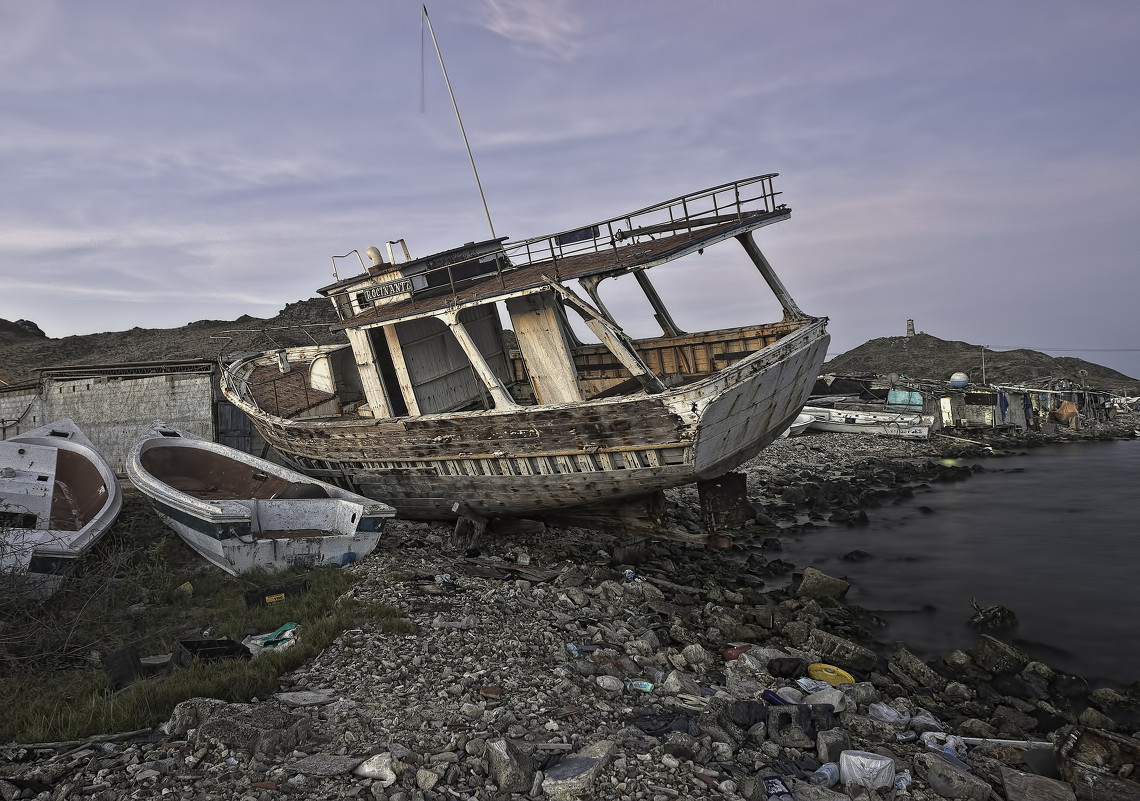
(186, 651)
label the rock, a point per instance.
(1021, 786)
(264, 731)
(820, 586)
(510, 769)
(1096, 719)
(302, 698)
(610, 684)
(831, 695)
(868, 728)
(948, 781)
(916, 669)
(696, 656)
(378, 768)
(840, 652)
(190, 714)
(831, 743)
(998, 657)
(677, 682)
(325, 765)
(574, 776)
(426, 779)
(860, 695)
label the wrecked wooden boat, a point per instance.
(1101, 765)
(243, 513)
(437, 408)
(58, 495)
(849, 419)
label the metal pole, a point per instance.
(454, 105)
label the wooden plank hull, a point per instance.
(536, 459)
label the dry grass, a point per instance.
(127, 593)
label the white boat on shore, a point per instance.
(846, 420)
(802, 423)
(243, 513)
(58, 495)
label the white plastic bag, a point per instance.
(862, 769)
(888, 714)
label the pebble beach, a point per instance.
(562, 663)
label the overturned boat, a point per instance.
(243, 513)
(58, 495)
(434, 407)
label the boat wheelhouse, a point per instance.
(435, 407)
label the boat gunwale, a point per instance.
(225, 511)
(77, 442)
(769, 354)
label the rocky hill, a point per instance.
(926, 356)
(27, 349)
(24, 352)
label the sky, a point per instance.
(972, 165)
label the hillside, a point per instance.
(926, 356)
(25, 352)
(27, 349)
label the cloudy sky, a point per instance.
(972, 165)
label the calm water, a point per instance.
(1053, 535)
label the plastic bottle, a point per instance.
(826, 776)
(639, 684)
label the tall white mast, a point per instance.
(454, 105)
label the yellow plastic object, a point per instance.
(829, 673)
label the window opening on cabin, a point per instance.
(387, 369)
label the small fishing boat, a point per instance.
(58, 495)
(802, 423)
(849, 420)
(243, 513)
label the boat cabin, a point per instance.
(426, 335)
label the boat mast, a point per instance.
(470, 158)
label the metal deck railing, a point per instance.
(686, 214)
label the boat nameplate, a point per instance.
(386, 290)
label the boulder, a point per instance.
(818, 585)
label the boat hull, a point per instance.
(533, 460)
(236, 511)
(905, 426)
(58, 496)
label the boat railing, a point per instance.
(685, 214)
(286, 389)
(719, 205)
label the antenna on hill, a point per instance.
(425, 18)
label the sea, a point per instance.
(1051, 534)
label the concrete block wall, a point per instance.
(114, 411)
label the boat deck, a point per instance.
(615, 258)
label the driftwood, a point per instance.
(76, 744)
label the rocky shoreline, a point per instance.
(560, 664)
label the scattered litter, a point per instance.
(187, 651)
(860, 769)
(283, 637)
(266, 596)
(829, 673)
(812, 685)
